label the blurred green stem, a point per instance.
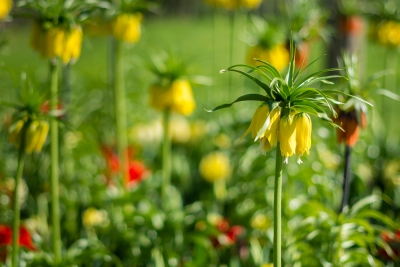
(120, 107)
(278, 208)
(166, 160)
(55, 194)
(346, 178)
(18, 177)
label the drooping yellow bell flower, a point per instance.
(270, 135)
(287, 136)
(215, 167)
(35, 134)
(258, 120)
(303, 134)
(277, 56)
(72, 45)
(126, 27)
(177, 97)
(57, 42)
(5, 7)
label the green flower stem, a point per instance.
(346, 178)
(166, 160)
(18, 177)
(120, 107)
(278, 208)
(55, 194)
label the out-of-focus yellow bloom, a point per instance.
(72, 45)
(94, 217)
(198, 130)
(260, 222)
(303, 134)
(250, 4)
(35, 135)
(5, 7)
(215, 166)
(176, 97)
(268, 265)
(277, 56)
(57, 42)
(234, 4)
(287, 136)
(126, 27)
(388, 33)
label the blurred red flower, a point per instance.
(136, 172)
(25, 239)
(351, 126)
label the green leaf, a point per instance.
(249, 97)
(300, 83)
(387, 93)
(343, 93)
(271, 68)
(265, 87)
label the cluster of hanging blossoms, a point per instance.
(57, 41)
(172, 90)
(283, 117)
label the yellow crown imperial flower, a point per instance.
(72, 45)
(35, 134)
(126, 27)
(5, 7)
(57, 42)
(176, 97)
(287, 136)
(259, 118)
(303, 134)
(215, 167)
(94, 217)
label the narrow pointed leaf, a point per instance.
(249, 97)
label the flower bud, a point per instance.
(259, 118)
(15, 132)
(72, 45)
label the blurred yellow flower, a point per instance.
(303, 134)
(234, 4)
(57, 42)
(260, 222)
(267, 265)
(277, 56)
(94, 217)
(388, 33)
(222, 140)
(215, 166)
(176, 97)
(35, 135)
(7, 187)
(250, 4)
(287, 136)
(126, 27)
(5, 7)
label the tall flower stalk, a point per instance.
(352, 112)
(283, 119)
(54, 174)
(171, 92)
(28, 133)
